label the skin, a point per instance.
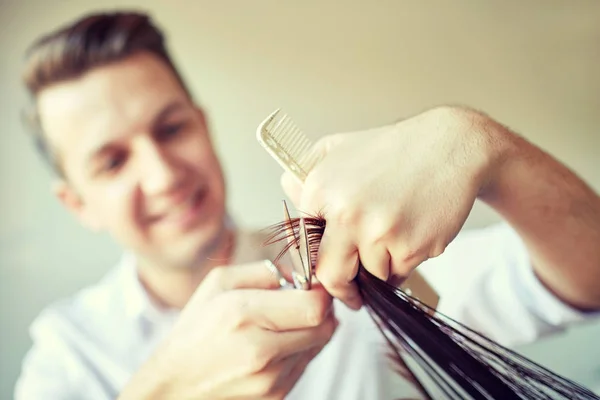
(408, 194)
(139, 164)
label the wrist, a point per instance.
(495, 146)
(151, 381)
(479, 144)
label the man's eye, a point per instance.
(113, 163)
(168, 131)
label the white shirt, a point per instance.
(89, 346)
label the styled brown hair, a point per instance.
(90, 42)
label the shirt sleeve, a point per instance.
(485, 280)
(44, 372)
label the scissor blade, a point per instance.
(304, 251)
(298, 274)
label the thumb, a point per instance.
(256, 275)
(325, 144)
(292, 188)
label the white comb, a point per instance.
(287, 144)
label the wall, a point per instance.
(333, 66)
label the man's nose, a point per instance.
(158, 170)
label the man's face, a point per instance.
(138, 160)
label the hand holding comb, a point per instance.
(458, 362)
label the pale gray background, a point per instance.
(334, 66)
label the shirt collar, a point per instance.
(136, 300)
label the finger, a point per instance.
(256, 275)
(283, 310)
(402, 261)
(377, 260)
(337, 266)
(326, 143)
(396, 280)
(292, 187)
(300, 340)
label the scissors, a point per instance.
(300, 253)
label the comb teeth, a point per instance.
(280, 136)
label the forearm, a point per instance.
(556, 214)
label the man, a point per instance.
(134, 158)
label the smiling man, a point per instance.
(191, 311)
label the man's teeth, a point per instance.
(183, 207)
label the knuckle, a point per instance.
(217, 277)
(437, 249)
(407, 256)
(257, 356)
(316, 313)
(265, 386)
(448, 111)
(344, 214)
(409, 253)
(330, 329)
(331, 281)
(234, 309)
(455, 113)
(384, 225)
(313, 190)
(325, 144)
(314, 183)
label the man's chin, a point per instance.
(195, 251)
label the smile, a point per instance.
(185, 213)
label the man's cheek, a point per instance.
(123, 205)
(118, 189)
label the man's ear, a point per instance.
(67, 195)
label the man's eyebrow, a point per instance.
(168, 109)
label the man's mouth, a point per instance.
(185, 212)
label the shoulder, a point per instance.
(89, 309)
(61, 334)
